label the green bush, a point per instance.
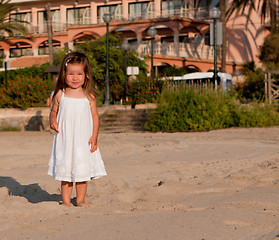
(27, 72)
(253, 87)
(143, 90)
(173, 71)
(256, 115)
(191, 110)
(24, 92)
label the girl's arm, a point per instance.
(54, 112)
(95, 118)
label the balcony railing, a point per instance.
(117, 15)
(56, 27)
(42, 28)
(196, 13)
(80, 21)
(186, 50)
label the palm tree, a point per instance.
(9, 25)
(266, 7)
(223, 8)
(239, 7)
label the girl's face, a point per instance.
(75, 75)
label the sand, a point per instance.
(213, 185)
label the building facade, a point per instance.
(182, 38)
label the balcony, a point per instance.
(196, 13)
(116, 14)
(181, 49)
(185, 50)
(149, 14)
(80, 21)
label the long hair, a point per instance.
(71, 58)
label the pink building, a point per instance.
(177, 22)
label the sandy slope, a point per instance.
(213, 185)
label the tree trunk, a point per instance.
(273, 20)
(50, 35)
(223, 8)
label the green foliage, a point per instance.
(269, 51)
(191, 110)
(143, 90)
(253, 87)
(24, 92)
(9, 24)
(26, 72)
(256, 115)
(59, 56)
(173, 71)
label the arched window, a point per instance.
(43, 47)
(20, 49)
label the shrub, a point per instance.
(24, 92)
(269, 51)
(27, 72)
(191, 110)
(253, 87)
(256, 115)
(143, 90)
(173, 71)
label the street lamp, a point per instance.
(215, 14)
(125, 47)
(152, 32)
(107, 19)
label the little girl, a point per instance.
(75, 156)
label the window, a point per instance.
(26, 17)
(78, 16)
(138, 10)
(42, 21)
(105, 9)
(44, 49)
(170, 7)
(23, 17)
(18, 52)
(202, 3)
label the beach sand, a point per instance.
(221, 184)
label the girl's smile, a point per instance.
(75, 76)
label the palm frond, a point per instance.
(8, 24)
(240, 7)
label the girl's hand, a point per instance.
(54, 126)
(93, 144)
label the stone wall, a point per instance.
(37, 119)
(31, 119)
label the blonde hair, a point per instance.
(71, 58)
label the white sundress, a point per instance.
(71, 159)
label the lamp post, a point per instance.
(152, 32)
(107, 19)
(215, 14)
(125, 47)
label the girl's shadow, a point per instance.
(32, 192)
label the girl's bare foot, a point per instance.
(64, 204)
(82, 205)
